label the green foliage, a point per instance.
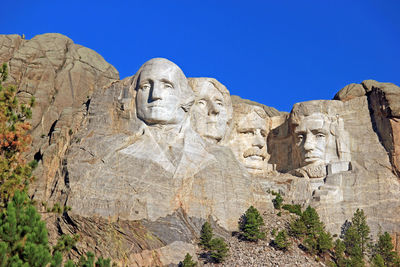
(15, 173)
(383, 251)
(282, 240)
(297, 228)
(219, 249)
(309, 227)
(277, 201)
(23, 236)
(356, 239)
(339, 256)
(57, 208)
(103, 262)
(295, 209)
(359, 221)
(86, 260)
(251, 225)
(353, 243)
(377, 261)
(65, 243)
(206, 235)
(188, 261)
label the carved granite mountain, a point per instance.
(145, 161)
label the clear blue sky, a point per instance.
(273, 52)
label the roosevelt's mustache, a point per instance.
(255, 151)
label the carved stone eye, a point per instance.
(202, 102)
(219, 103)
(168, 85)
(300, 137)
(247, 132)
(320, 135)
(145, 86)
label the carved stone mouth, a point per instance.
(258, 157)
(311, 158)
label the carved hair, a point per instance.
(187, 95)
(243, 109)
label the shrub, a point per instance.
(309, 226)
(251, 225)
(188, 261)
(219, 249)
(295, 209)
(282, 241)
(23, 236)
(383, 251)
(206, 235)
(277, 201)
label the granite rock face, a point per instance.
(143, 162)
(61, 76)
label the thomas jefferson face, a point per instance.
(158, 98)
(311, 138)
(249, 142)
(210, 114)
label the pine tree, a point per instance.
(277, 201)
(188, 261)
(251, 225)
(23, 236)
(359, 221)
(383, 249)
(15, 173)
(339, 253)
(282, 241)
(219, 249)
(377, 261)
(353, 244)
(206, 235)
(309, 226)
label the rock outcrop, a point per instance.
(62, 77)
(143, 162)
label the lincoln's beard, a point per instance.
(311, 171)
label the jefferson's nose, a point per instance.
(212, 109)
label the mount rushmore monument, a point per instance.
(143, 162)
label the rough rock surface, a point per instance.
(61, 76)
(144, 166)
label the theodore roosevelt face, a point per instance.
(249, 142)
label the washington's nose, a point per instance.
(212, 109)
(155, 92)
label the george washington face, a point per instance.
(159, 93)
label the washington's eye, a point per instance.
(320, 135)
(145, 86)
